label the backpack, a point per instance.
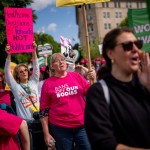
(8, 108)
(105, 90)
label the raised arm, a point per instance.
(7, 51)
(34, 54)
(45, 56)
(36, 71)
(8, 75)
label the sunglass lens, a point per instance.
(139, 44)
(127, 46)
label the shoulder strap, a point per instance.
(105, 90)
(29, 93)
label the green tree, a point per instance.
(17, 4)
(94, 50)
(124, 22)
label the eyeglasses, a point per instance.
(57, 61)
(25, 70)
(128, 46)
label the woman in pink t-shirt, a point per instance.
(62, 105)
(10, 125)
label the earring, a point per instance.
(112, 61)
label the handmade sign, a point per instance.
(45, 49)
(138, 19)
(19, 29)
(66, 49)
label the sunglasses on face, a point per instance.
(25, 70)
(128, 46)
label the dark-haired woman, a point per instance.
(124, 122)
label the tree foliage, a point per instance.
(94, 50)
(124, 22)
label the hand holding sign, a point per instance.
(7, 48)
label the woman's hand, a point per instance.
(34, 45)
(92, 75)
(144, 72)
(7, 48)
(34, 55)
(49, 140)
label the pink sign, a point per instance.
(19, 29)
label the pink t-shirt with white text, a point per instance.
(65, 98)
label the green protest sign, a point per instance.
(138, 19)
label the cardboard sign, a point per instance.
(19, 29)
(45, 49)
(66, 50)
(138, 19)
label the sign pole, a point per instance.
(87, 38)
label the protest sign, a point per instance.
(19, 29)
(138, 19)
(45, 49)
(77, 2)
(66, 49)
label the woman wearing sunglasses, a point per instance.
(24, 87)
(124, 122)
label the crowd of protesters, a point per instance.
(69, 112)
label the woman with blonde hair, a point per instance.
(23, 87)
(62, 105)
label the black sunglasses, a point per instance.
(128, 46)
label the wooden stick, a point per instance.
(87, 39)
